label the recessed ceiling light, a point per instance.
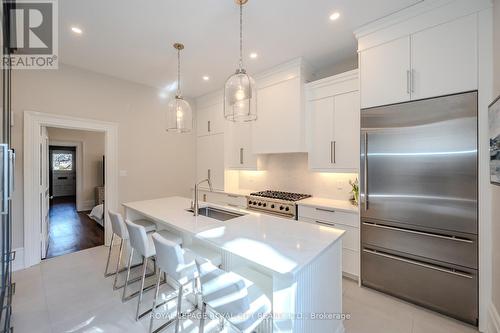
(206, 78)
(334, 16)
(253, 55)
(77, 30)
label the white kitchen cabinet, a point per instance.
(333, 123)
(210, 119)
(432, 59)
(347, 221)
(385, 73)
(222, 198)
(444, 59)
(280, 127)
(238, 147)
(210, 159)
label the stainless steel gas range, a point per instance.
(275, 202)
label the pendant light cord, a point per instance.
(241, 35)
(179, 72)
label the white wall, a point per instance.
(93, 150)
(157, 163)
(289, 172)
(496, 189)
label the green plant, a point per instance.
(354, 190)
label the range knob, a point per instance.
(264, 205)
(281, 207)
(260, 204)
(287, 209)
(272, 206)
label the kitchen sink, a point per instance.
(217, 213)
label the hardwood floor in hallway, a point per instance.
(69, 230)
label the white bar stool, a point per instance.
(140, 242)
(120, 230)
(231, 297)
(180, 267)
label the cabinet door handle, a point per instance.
(412, 81)
(331, 152)
(241, 155)
(325, 223)
(208, 125)
(408, 79)
(334, 152)
(209, 173)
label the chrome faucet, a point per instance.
(196, 204)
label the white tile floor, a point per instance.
(70, 294)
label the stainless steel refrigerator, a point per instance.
(419, 203)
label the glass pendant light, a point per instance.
(240, 99)
(179, 113)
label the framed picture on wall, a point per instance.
(494, 124)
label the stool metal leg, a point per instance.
(179, 306)
(106, 274)
(153, 310)
(139, 301)
(202, 317)
(118, 265)
(128, 274)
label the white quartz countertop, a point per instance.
(281, 245)
(340, 205)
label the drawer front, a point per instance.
(329, 215)
(350, 262)
(351, 237)
(236, 200)
(447, 249)
(450, 292)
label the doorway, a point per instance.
(73, 168)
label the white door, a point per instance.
(322, 118)
(346, 131)
(44, 191)
(444, 59)
(385, 73)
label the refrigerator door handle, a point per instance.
(365, 174)
(12, 168)
(5, 179)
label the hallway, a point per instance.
(71, 231)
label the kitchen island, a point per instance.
(298, 265)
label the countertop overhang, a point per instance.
(281, 245)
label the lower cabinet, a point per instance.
(349, 222)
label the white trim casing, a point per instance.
(18, 262)
(33, 121)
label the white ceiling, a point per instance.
(132, 39)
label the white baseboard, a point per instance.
(18, 262)
(85, 205)
(493, 325)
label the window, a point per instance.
(62, 162)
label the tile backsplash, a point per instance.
(290, 172)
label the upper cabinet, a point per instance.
(385, 73)
(428, 56)
(444, 59)
(210, 115)
(280, 127)
(333, 123)
(238, 147)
